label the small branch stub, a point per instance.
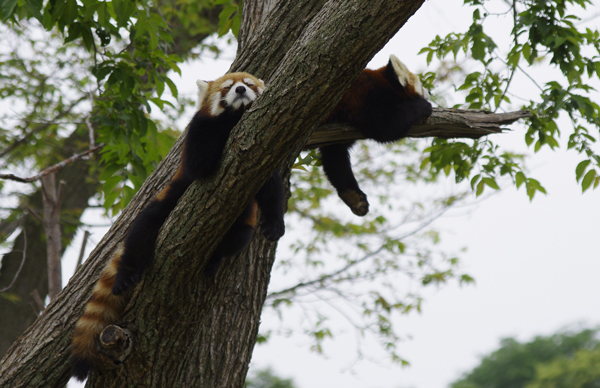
(116, 345)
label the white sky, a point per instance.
(535, 263)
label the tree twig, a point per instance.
(22, 262)
(86, 235)
(41, 127)
(52, 169)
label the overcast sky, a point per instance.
(536, 264)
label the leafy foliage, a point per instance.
(563, 357)
(579, 371)
(542, 31)
(125, 51)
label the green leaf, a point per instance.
(172, 87)
(124, 10)
(112, 182)
(70, 13)
(520, 178)
(236, 23)
(225, 21)
(74, 32)
(581, 167)
(480, 186)
(35, 8)
(153, 34)
(587, 180)
(527, 52)
(7, 8)
(491, 182)
(474, 180)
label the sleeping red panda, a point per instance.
(383, 104)
(221, 105)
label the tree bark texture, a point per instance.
(189, 330)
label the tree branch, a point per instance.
(41, 127)
(22, 262)
(444, 123)
(52, 169)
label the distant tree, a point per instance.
(537, 363)
(580, 371)
(265, 378)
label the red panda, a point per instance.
(221, 105)
(383, 104)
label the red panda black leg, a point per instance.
(338, 168)
(141, 239)
(204, 148)
(271, 201)
(236, 239)
(356, 201)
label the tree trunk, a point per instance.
(52, 196)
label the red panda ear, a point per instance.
(402, 72)
(261, 85)
(202, 89)
(408, 80)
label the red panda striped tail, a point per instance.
(103, 309)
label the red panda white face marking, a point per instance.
(407, 78)
(234, 91)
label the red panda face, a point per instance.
(233, 91)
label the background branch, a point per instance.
(54, 168)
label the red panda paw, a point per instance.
(126, 277)
(356, 201)
(273, 230)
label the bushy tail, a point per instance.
(103, 309)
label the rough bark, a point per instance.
(188, 330)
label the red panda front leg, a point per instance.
(234, 241)
(338, 168)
